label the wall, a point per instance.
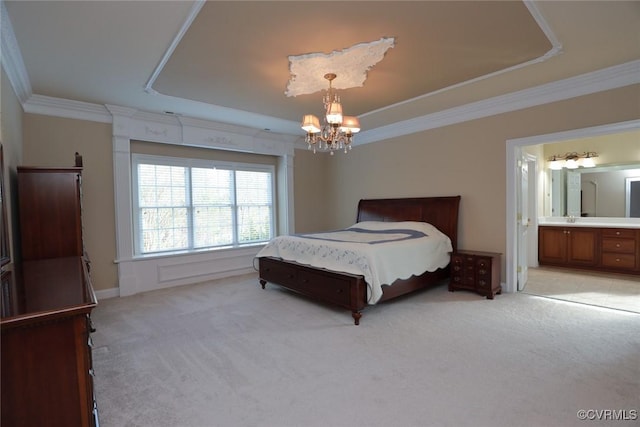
(11, 138)
(311, 190)
(466, 159)
(619, 148)
(52, 141)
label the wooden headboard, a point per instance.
(442, 212)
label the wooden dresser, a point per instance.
(47, 299)
(50, 206)
(46, 345)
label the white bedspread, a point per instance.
(382, 252)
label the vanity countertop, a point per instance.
(591, 222)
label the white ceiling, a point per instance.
(227, 61)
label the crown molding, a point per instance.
(195, 9)
(584, 84)
(556, 49)
(68, 108)
(12, 61)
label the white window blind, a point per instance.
(190, 204)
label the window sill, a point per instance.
(221, 252)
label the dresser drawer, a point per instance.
(466, 280)
(611, 244)
(483, 266)
(619, 260)
(277, 273)
(329, 288)
(619, 232)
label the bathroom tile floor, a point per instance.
(617, 291)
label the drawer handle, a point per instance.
(482, 282)
(457, 278)
(617, 245)
(617, 233)
(617, 259)
(482, 271)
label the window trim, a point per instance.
(138, 158)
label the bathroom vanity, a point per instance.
(602, 246)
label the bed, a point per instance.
(350, 290)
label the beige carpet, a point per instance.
(227, 353)
(617, 291)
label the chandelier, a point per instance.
(337, 130)
(572, 160)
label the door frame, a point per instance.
(513, 147)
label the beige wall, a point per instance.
(11, 138)
(466, 159)
(52, 141)
(619, 148)
(311, 191)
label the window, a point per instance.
(191, 204)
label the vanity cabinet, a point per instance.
(568, 246)
(620, 248)
(604, 249)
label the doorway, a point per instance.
(514, 189)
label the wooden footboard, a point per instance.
(342, 289)
(350, 290)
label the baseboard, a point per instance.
(107, 293)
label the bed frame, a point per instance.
(350, 290)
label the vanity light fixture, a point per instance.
(572, 160)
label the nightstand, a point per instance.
(476, 271)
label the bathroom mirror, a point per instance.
(602, 191)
